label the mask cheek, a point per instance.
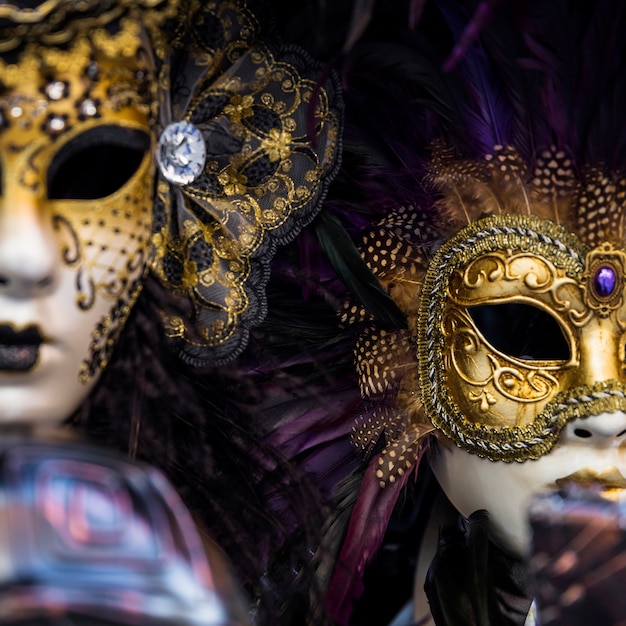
(107, 244)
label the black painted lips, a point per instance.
(19, 349)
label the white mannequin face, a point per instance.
(72, 254)
(593, 447)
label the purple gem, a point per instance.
(604, 281)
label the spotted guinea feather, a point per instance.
(381, 358)
(600, 207)
(401, 455)
(465, 192)
(372, 424)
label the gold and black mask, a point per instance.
(516, 322)
(219, 148)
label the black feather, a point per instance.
(472, 582)
(353, 271)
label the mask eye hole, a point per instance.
(521, 331)
(96, 163)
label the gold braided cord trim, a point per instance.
(487, 235)
(33, 15)
(59, 22)
(580, 402)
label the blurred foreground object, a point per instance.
(89, 538)
(579, 558)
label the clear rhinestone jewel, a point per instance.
(181, 153)
(88, 108)
(56, 124)
(55, 90)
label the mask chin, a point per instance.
(472, 483)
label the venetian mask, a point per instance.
(523, 333)
(75, 222)
(132, 150)
(496, 200)
(516, 344)
(529, 345)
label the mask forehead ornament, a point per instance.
(605, 279)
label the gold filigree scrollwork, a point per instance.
(506, 259)
(478, 365)
(86, 290)
(271, 130)
(530, 270)
(115, 288)
(466, 345)
(522, 384)
(70, 251)
(485, 398)
(104, 336)
(501, 275)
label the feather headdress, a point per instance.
(480, 110)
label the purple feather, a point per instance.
(368, 522)
(582, 69)
(489, 112)
(479, 21)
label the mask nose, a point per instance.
(28, 252)
(603, 430)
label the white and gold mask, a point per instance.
(515, 350)
(89, 95)
(75, 218)
(517, 322)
